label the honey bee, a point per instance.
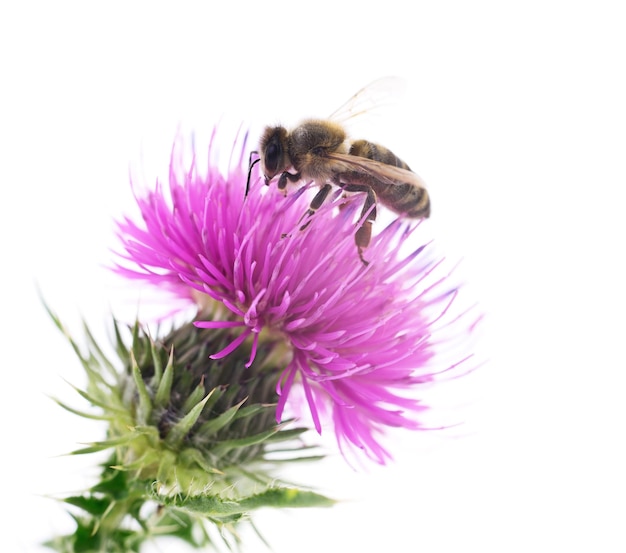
(319, 150)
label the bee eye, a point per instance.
(273, 153)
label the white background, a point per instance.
(515, 117)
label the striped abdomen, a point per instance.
(405, 198)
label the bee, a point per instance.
(319, 150)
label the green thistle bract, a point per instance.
(193, 441)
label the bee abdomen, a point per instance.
(402, 197)
(376, 152)
(417, 202)
(406, 198)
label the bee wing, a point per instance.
(381, 93)
(381, 171)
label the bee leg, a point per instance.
(363, 234)
(282, 180)
(251, 164)
(316, 203)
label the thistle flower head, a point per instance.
(356, 339)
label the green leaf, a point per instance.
(167, 462)
(114, 484)
(208, 505)
(94, 348)
(301, 459)
(120, 344)
(194, 397)
(287, 498)
(216, 394)
(217, 507)
(93, 505)
(103, 404)
(212, 426)
(177, 433)
(251, 410)
(192, 455)
(164, 389)
(144, 408)
(150, 457)
(81, 413)
(106, 444)
(285, 435)
(135, 343)
(183, 526)
(225, 446)
(156, 361)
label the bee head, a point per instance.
(274, 156)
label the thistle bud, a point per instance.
(193, 442)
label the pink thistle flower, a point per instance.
(360, 338)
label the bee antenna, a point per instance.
(251, 164)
